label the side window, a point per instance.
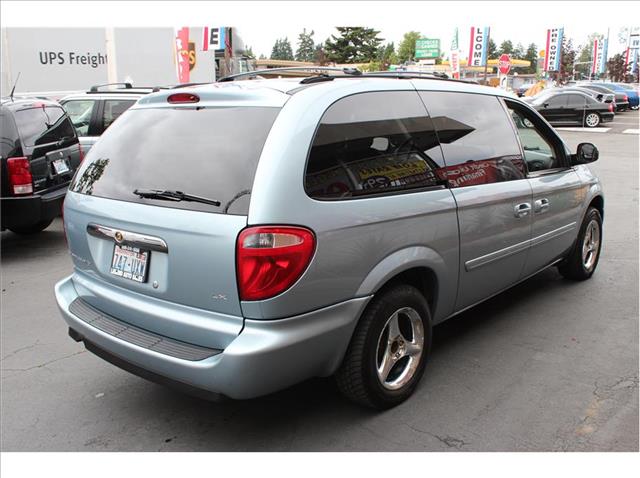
(80, 112)
(539, 151)
(372, 143)
(113, 109)
(557, 101)
(575, 101)
(477, 140)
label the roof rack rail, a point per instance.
(416, 74)
(95, 88)
(311, 69)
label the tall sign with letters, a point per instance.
(553, 52)
(478, 46)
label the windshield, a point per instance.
(207, 152)
(43, 125)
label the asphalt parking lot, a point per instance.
(551, 365)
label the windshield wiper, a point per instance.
(173, 196)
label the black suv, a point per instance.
(39, 154)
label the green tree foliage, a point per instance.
(531, 55)
(319, 55)
(353, 45)
(387, 56)
(567, 58)
(518, 52)
(616, 69)
(306, 46)
(407, 47)
(492, 50)
(506, 47)
(282, 50)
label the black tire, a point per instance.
(357, 377)
(32, 229)
(573, 267)
(592, 125)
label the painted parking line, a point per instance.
(590, 130)
(631, 131)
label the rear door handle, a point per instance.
(541, 205)
(522, 210)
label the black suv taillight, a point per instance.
(19, 174)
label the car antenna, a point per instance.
(14, 86)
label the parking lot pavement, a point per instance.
(627, 122)
(549, 365)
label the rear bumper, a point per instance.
(267, 355)
(25, 211)
(621, 106)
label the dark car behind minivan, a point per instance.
(39, 155)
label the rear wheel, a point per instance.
(592, 120)
(388, 352)
(32, 229)
(583, 259)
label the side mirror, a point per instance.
(585, 153)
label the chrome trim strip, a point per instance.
(521, 246)
(494, 256)
(553, 234)
(129, 238)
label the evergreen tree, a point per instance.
(407, 47)
(282, 50)
(567, 59)
(319, 55)
(353, 45)
(492, 50)
(616, 69)
(506, 47)
(532, 57)
(306, 46)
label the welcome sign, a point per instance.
(478, 46)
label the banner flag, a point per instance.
(553, 52)
(478, 46)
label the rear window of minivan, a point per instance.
(208, 152)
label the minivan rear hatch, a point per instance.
(155, 210)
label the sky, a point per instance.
(260, 23)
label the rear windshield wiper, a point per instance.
(173, 196)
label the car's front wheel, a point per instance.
(592, 120)
(389, 348)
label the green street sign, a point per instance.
(427, 48)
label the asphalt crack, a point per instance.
(449, 441)
(42, 365)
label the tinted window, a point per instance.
(373, 143)
(557, 101)
(8, 135)
(575, 101)
(80, 112)
(476, 137)
(43, 125)
(208, 152)
(539, 150)
(113, 109)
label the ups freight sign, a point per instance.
(72, 58)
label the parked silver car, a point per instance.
(241, 237)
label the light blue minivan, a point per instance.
(243, 236)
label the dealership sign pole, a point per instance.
(553, 51)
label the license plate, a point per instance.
(130, 263)
(60, 166)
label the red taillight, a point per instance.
(626, 98)
(270, 259)
(81, 152)
(19, 174)
(611, 107)
(183, 98)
